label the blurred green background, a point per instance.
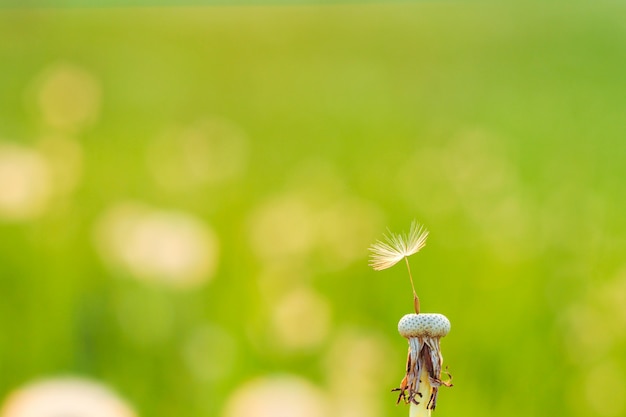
(187, 196)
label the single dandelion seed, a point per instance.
(420, 385)
(395, 247)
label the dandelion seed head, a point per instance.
(420, 386)
(424, 325)
(394, 247)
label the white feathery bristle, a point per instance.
(421, 325)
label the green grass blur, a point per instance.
(310, 131)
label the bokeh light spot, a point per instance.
(474, 176)
(277, 396)
(167, 247)
(346, 227)
(604, 389)
(301, 320)
(68, 97)
(65, 397)
(359, 366)
(208, 152)
(288, 220)
(302, 225)
(25, 183)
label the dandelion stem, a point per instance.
(421, 409)
(416, 299)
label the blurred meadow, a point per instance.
(187, 196)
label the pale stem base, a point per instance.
(420, 410)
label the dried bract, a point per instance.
(421, 383)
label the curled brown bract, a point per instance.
(424, 361)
